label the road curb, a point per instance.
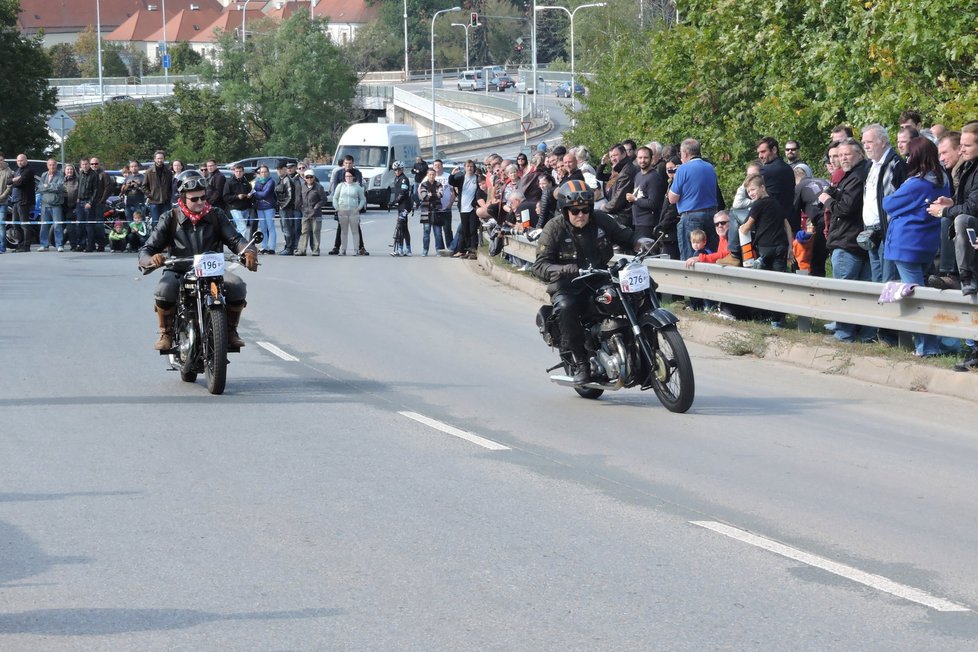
(828, 358)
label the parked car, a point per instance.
(564, 90)
(273, 162)
(504, 81)
(324, 175)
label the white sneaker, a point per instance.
(42, 248)
(61, 250)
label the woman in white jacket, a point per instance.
(348, 200)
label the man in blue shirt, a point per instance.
(694, 191)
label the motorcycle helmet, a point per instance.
(190, 180)
(574, 193)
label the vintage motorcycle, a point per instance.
(630, 338)
(200, 342)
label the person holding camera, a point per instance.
(133, 190)
(430, 192)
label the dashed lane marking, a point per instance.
(455, 432)
(274, 350)
(877, 582)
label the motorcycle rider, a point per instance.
(194, 227)
(577, 238)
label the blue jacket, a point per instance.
(264, 194)
(913, 236)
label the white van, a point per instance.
(374, 148)
(471, 80)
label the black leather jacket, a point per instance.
(563, 248)
(176, 231)
(846, 209)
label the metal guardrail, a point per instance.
(935, 312)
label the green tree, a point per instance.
(86, 48)
(204, 126)
(63, 61)
(294, 86)
(120, 131)
(183, 58)
(732, 72)
(27, 99)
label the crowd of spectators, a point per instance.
(879, 213)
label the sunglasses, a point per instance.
(194, 200)
(577, 211)
(95, 164)
(670, 170)
(720, 223)
(791, 149)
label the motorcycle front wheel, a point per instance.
(672, 379)
(216, 338)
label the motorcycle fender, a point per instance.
(660, 318)
(213, 302)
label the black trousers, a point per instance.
(569, 307)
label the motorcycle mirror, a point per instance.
(259, 236)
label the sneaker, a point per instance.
(363, 252)
(969, 286)
(61, 250)
(334, 252)
(395, 254)
(285, 252)
(830, 326)
(971, 364)
(723, 314)
(944, 282)
(42, 249)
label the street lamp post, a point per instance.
(244, 12)
(434, 147)
(570, 13)
(466, 28)
(407, 73)
(166, 69)
(98, 38)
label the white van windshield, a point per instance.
(363, 156)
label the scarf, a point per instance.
(194, 217)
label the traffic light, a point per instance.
(474, 19)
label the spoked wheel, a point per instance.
(216, 345)
(583, 392)
(12, 234)
(672, 379)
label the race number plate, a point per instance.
(209, 265)
(635, 278)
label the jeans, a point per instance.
(883, 270)
(240, 219)
(349, 228)
(55, 213)
(94, 228)
(691, 221)
(849, 266)
(266, 224)
(426, 237)
(963, 251)
(291, 226)
(155, 210)
(923, 344)
(77, 228)
(3, 227)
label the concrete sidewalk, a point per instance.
(828, 357)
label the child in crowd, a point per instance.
(118, 236)
(138, 232)
(697, 240)
(803, 245)
(768, 226)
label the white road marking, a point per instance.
(455, 432)
(877, 582)
(274, 350)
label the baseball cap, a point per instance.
(308, 173)
(290, 164)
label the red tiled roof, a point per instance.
(186, 25)
(286, 10)
(228, 21)
(346, 11)
(61, 16)
(140, 26)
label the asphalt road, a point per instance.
(339, 497)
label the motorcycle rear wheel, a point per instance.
(216, 341)
(672, 380)
(583, 392)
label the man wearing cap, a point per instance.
(312, 198)
(285, 199)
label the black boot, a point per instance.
(970, 363)
(580, 369)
